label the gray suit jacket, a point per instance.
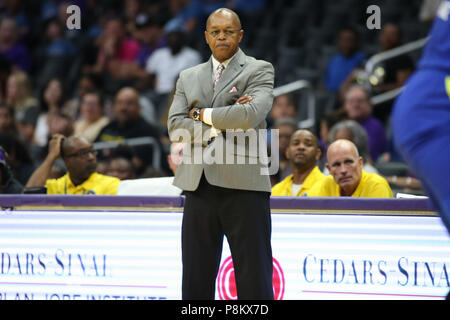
(234, 159)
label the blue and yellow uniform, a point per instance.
(421, 116)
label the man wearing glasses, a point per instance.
(81, 163)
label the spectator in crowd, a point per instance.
(116, 49)
(56, 44)
(87, 82)
(175, 156)
(153, 182)
(303, 153)
(15, 10)
(185, 14)
(19, 94)
(120, 163)
(55, 54)
(131, 10)
(286, 127)
(358, 107)
(398, 69)
(91, 120)
(284, 106)
(26, 106)
(102, 166)
(10, 46)
(347, 177)
(326, 123)
(121, 168)
(345, 61)
(81, 162)
(5, 71)
(8, 184)
(7, 120)
(165, 64)
(389, 75)
(128, 123)
(352, 130)
(51, 119)
(19, 158)
(149, 32)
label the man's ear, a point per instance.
(287, 154)
(318, 154)
(361, 161)
(328, 167)
(206, 37)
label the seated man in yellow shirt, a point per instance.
(347, 177)
(81, 163)
(302, 152)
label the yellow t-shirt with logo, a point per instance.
(284, 188)
(96, 184)
(371, 186)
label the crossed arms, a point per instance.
(247, 112)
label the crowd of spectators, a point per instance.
(113, 80)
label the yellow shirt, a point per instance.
(95, 184)
(284, 188)
(371, 186)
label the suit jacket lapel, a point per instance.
(231, 71)
(205, 79)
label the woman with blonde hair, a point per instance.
(19, 93)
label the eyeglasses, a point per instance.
(228, 33)
(82, 153)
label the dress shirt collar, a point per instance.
(217, 63)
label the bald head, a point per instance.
(71, 143)
(345, 165)
(225, 13)
(343, 145)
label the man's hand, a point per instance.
(244, 99)
(241, 100)
(54, 146)
(40, 175)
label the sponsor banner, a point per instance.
(124, 255)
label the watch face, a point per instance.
(196, 114)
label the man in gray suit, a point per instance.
(218, 109)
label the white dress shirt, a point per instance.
(207, 113)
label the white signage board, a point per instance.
(124, 255)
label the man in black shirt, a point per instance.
(128, 124)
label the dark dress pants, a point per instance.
(210, 212)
